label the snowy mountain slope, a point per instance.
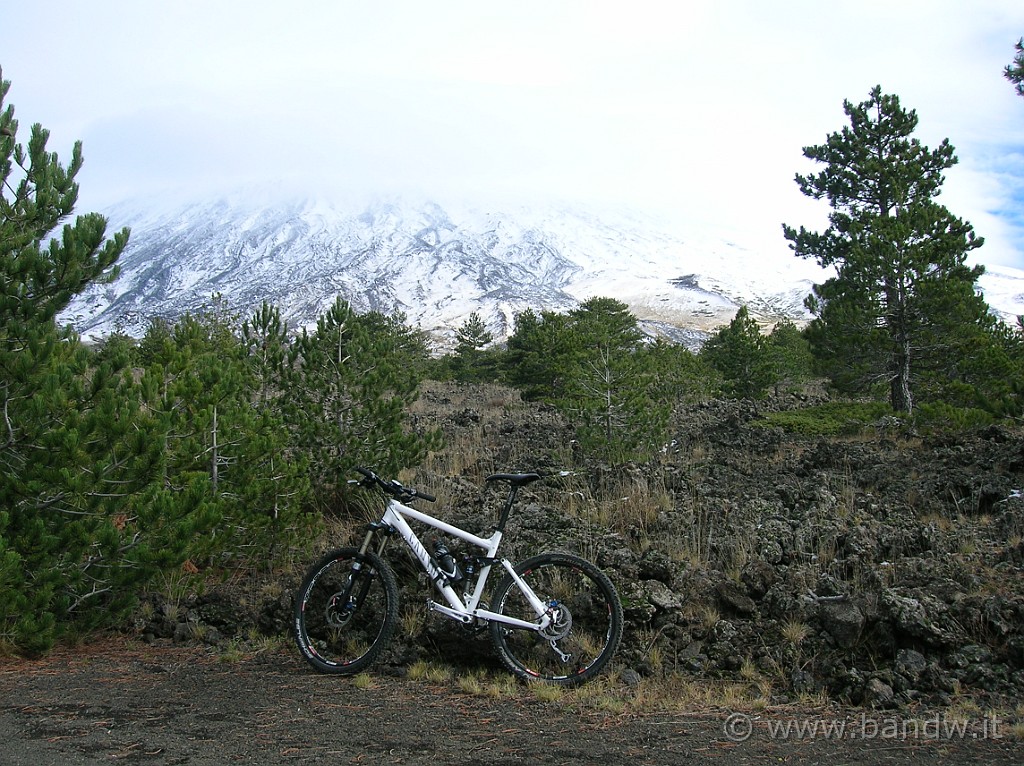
(438, 264)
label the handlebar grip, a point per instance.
(392, 487)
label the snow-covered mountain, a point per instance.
(438, 264)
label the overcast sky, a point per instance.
(698, 109)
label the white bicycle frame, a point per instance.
(396, 516)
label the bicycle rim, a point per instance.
(587, 623)
(345, 615)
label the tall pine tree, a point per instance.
(903, 295)
(73, 451)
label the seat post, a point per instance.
(515, 481)
(513, 491)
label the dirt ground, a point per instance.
(126, 702)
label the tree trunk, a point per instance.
(897, 318)
(214, 457)
(899, 392)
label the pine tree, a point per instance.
(679, 374)
(471, 361)
(1015, 72)
(535, 361)
(791, 356)
(350, 383)
(265, 337)
(222, 428)
(741, 355)
(74, 453)
(592, 365)
(902, 289)
(277, 489)
(608, 383)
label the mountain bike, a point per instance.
(554, 617)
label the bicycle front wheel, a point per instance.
(585, 628)
(346, 611)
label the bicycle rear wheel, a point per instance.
(586, 625)
(345, 611)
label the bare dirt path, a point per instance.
(124, 702)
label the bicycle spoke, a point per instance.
(585, 627)
(345, 616)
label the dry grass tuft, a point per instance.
(429, 672)
(795, 632)
(363, 681)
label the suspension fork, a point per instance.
(385, 530)
(365, 578)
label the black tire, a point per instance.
(587, 632)
(345, 615)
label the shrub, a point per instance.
(831, 419)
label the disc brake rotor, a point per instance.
(337, 613)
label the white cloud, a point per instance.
(697, 108)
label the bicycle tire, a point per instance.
(345, 617)
(586, 634)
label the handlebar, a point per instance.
(401, 492)
(392, 487)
